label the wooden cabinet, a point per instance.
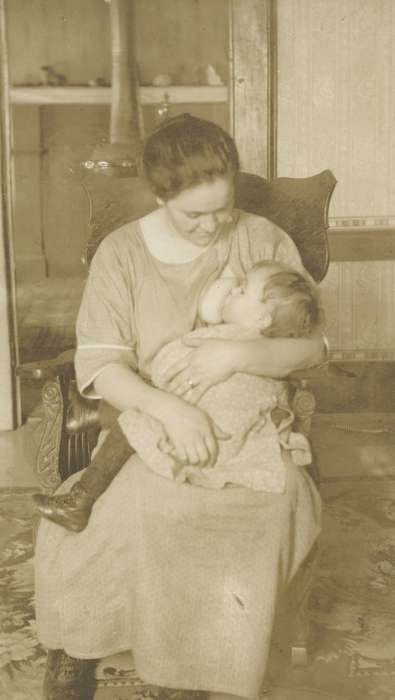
(174, 94)
(176, 37)
(66, 121)
(56, 127)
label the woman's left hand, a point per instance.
(209, 362)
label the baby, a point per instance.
(273, 300)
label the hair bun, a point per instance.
(173, 121)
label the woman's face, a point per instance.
(199, 213)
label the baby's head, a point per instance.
(276, 300)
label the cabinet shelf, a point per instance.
(174, 94)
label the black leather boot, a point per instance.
(67, 678)
(71, 510)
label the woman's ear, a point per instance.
(159, 201)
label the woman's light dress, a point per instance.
(186, 577)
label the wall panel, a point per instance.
(359, 302)
(336, 109)
(336, 101)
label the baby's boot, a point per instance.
(71, 510)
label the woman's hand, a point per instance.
(213, 360)
(188, 428)
(209, 362)
(191, 432)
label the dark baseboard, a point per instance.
(369, 389)
(361, 243)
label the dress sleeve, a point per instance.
(259, 239)
(105, 323)
(271, 242)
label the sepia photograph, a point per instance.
(197, 350)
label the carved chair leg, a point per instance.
(67, 678)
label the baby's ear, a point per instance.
(264, 322)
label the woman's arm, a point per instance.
(278, 357)
(189, 429)
(123, 388)
(212, 361)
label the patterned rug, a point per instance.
(353, 607)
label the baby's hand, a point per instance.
(190, 430)
(167, 447)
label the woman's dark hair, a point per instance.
(186, 151)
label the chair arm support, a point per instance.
(62, 365)
(81, 414)
(68, 431)
(303, 406)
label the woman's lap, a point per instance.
(174, 572)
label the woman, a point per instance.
(186, 578)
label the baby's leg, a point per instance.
(106, 463)
(72, 510)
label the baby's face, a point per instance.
(245, 306)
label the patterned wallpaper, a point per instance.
(359, 303)
(336, 109)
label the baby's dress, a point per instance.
(241, 406)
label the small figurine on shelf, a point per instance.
(51, 77)
(98, 82)
(212, 77)
(162, 80)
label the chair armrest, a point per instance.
(327, 369)
(62, 365)
(69, 424)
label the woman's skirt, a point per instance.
(185, 577)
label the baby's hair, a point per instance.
(185, 151)
(298, 312)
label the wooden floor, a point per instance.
(354, 445)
